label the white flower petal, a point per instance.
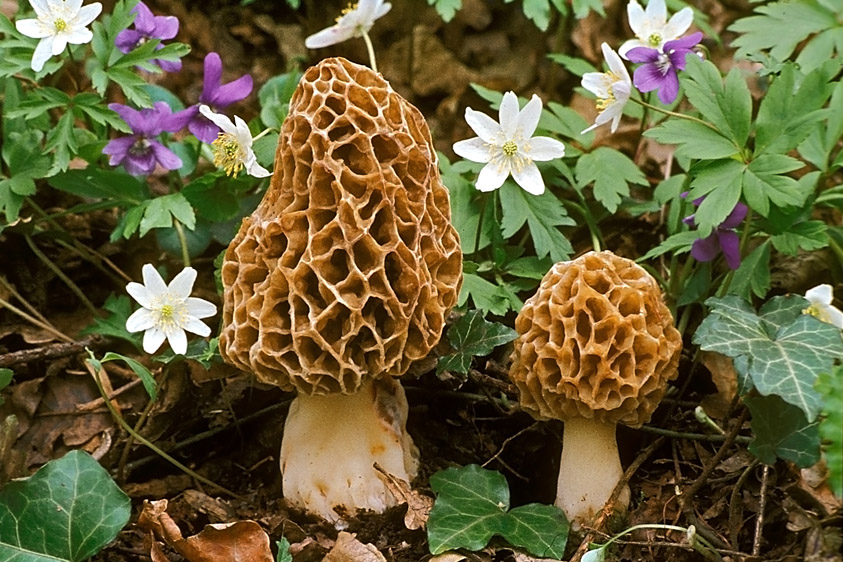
(616, 65)
(59, 43)
(196, 326)
(71, 6)
(834, 316)
(656, 12)
(88, 13)
(242, 132)
(182, 284)
(41, 7)
(508, 114)
(629, 45)
(595, 82)
(329, 36)
(491, 177)
(485, 127)
(256, 170)
(200, 308)
(474, 149)
(218, 119)
(152, 340)
(177, 340)
(545, 148)
(382, 10)
(153, 282)
(678, 24)
(140, 320)
(43, 52)
(528, 118)
(821, 295)
(637, 17)
(140, 293)
(79, 36)
(32, 28)
(529, 178)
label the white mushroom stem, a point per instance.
(332, 442)
(589, 470)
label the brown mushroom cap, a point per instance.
(350, 263)
(596, 341)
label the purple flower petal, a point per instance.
(232, 92)
(118, 149)
(212, 76)
(202, 128)
(140, 161)
(132, 117)
(166, 27)
(127, 40)
(643, 54)
(144, 19)
(166, 157)
(669, 88)
(730, 243)
(168, 66)
(178, 120)
(687, 42)
(706, 249)
(689, 220)
(736, 217)
(647, 77)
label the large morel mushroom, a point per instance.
(596, 347)
(340, 280)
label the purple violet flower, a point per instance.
(722, 239)
(140, 152)
(217, 96)
(149, 26)
(659, 68)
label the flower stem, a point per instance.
(185, 254)
(369, 47)
(672, 113)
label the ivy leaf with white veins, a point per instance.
(472, 336)
(784, 349)
(68, 510)
(781, 430)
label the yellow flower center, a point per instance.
(60, 24)
(510, 148)
(167, 312)
(228, 154)
(817, 313)
(654, 39)
(347, 10)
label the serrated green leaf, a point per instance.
(781, 430)
(704, 88)
(584, 7)
(753, 275)
(275, 96)
(574, 65)
(693, 140)
(446, 9)
(110, 185)
(162, 210)
(720, 182)
(808, 236)
(472, 335)
(611, 172)
(114, 325)
(467, 205)
(529, 267)
(68, 511)
(283, 551)
(542, 213)
(486, 296)
(830, 386)
(676, 244)
(140, 370)
(785, 363)
(542, 530)
(537, 11)
(763, 183)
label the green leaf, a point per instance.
(275, 95)
(753, 275)
(139, 369)
(111, 185)
(467, 205)
(471, 507)
(283, 551)
(611, 172)
(68, 510)
(727, 107)
(573, 65)
(538, 11)
(446, 9)
(114, 325)
(693, 140)
(780, 27)
(5, 379)
(471, 336)
(763, 183)
(676, 244)
(808, 236)
(830, 386)
(720, 182)
(215, 196)
(542, 213)
(486, 296)
(784, 349)
(781, 430)
(162, 210)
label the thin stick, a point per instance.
(693, 436)
(50, 351)
(14, 292)
(61, 275)
(762, 503)
(36, 322)
(735, 511)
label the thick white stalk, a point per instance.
(331, 443)
(589, 470)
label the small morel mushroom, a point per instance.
(340, 280)
(596, 347)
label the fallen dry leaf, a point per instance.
(725, 378)
(448, 557)
(349, 549)
(418, 505)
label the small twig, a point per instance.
(735, 511)
(50, 351)
(32, 320)
(97, 402)
(127, 448)
(762, 503)
(507, 441)
(693, 436)
(61, 275)
(14, 292)
(141, 439)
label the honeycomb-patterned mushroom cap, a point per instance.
(596, 341)
(350, 263)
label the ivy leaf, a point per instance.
(471, 507)
(611, 172)
(830, 385)
(781, 430)
(543, 214)
(68, 510)
(784, 350)
(473, 336)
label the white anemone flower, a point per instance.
(652, 28)
(59, 22)
(612, 89)
(355, 21)
(820, 298)
(509, 147)
(168, 311)
(233, 147)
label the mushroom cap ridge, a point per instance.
(596, 341)
(350, 263)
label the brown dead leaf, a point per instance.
(725, 378)
(349, 549)
(521, 557)
(448, 557)
(418, 505)
(241, 541)
(814, 481)
(217, 510)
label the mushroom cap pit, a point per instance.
(596, 341)
(350, 263)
